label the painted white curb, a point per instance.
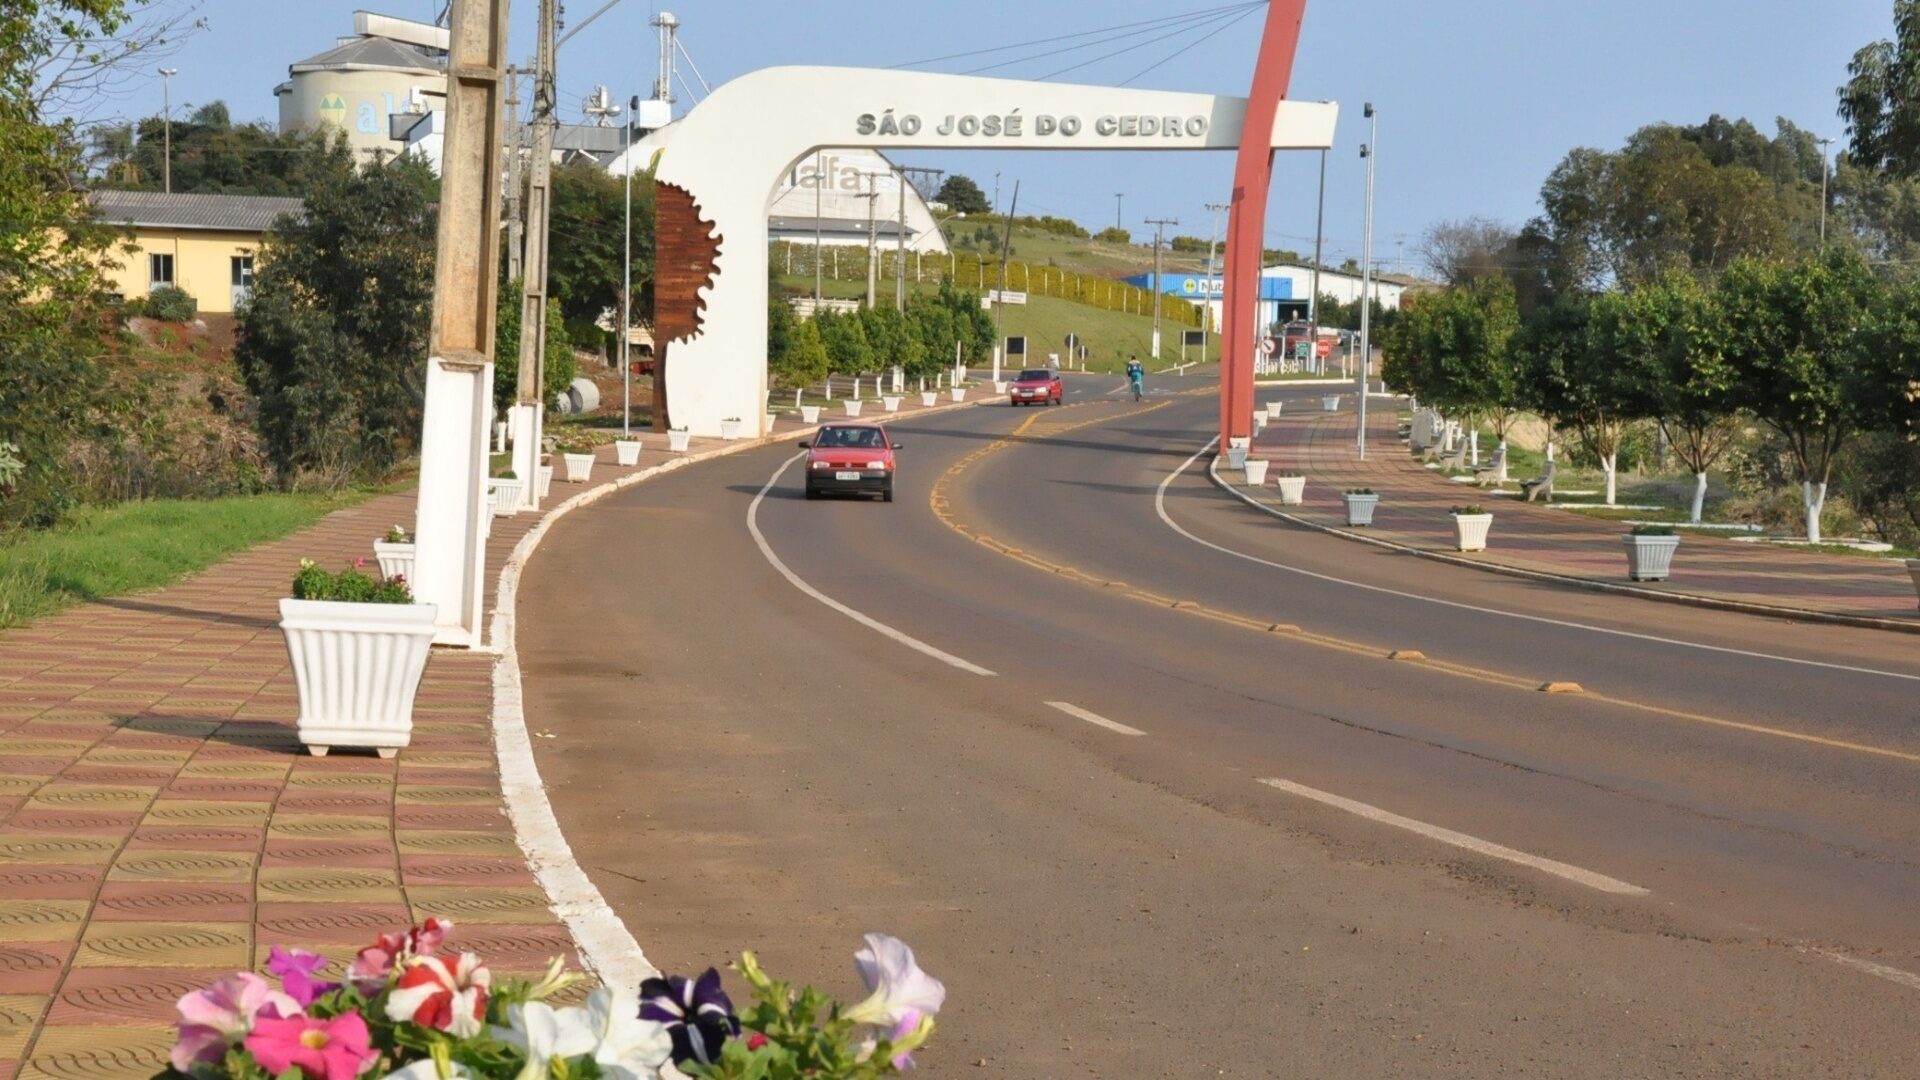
(607, 947)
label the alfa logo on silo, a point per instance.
(333, 108)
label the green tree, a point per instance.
(895, 340)
(1682, 369)
(213, 155)
(1575, 354)
(1881, 99)
(332, 342)
(586, 259)
(804, 360)
(963, 196)
(1800, 343)
(1455, 350)
(50, 254)
(848, 349)
(560, 366)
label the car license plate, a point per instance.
(846, 476)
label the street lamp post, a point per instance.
(166, 96)
(1824, 144)
(1369, 151)
(1319, 237)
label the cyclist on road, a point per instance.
(1137, 375)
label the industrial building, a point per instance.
(1286, 289)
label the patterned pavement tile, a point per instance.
(66, 1053)
(123, 900)
(42, 920)
(142, 997)
(469, 904)
(455, 842)
(18, 1014)
(32, 967)
(196, 866)
(56, 848)
(164, 944)
(327, 884)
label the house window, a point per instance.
(242, 273)
(159, 271)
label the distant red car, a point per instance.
(1037, 386)
(854, 459)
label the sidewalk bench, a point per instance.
(1541, 486)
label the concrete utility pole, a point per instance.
(1000, 303)
(1370, 152)
(516, 225)
(1319, 238)
(1119, 205)
(450, 519)
(166, 97)
(873, 237)
(626, 291)
(1824, 143)
(1159, 236)
(531, 409)
(900, 269)
(819, 207)
(1213, 269)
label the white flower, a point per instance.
(429, 1069)
(544, 1033)
(630, 1048)
(899, 986)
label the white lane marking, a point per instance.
(1096, 719)
(1460, 840)
(1881, 971)
(766, 549)
(1160, 506)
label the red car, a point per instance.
(1037, 386)
(850, 458)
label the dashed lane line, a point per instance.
(1093, 718)
(1558, 869)
(766, 549)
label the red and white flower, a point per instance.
(450, 998)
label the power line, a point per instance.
(1070, 37)
(1188, 47)
(1121, 52)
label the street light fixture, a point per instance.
(166, 95)
(1369, 152)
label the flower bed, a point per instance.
(406, 1010)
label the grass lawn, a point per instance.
(144, 545)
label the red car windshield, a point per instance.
(1035, 375)
(850, 438)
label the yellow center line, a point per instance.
(941, 505)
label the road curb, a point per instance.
(1771, 611)
(607, 947)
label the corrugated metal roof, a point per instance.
(371, 52)
(222, 213)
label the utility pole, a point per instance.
(533, 309)
(1159, 235)
(1213, 268)
(166, 96)
(516, 224)
(1000, 303)
(1119, 204)
(626, 289)
(1370, 152)
(819, 208)
(873, 237)
(451, 514)
(1824, 143)
(900, 267)
(1319, 238)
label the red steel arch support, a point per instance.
(1247, 220)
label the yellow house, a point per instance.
(202, 244)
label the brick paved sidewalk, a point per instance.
(160, 826)
(1414, 504)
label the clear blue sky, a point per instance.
(1478, 99)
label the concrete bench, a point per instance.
(1494, 470)
(1540, 487)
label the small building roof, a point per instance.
(212, 213)
(372, 54)
(836, 226)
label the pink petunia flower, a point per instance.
(376, 963)
(297, 970)
(215, 1018)
(336, 1049)
(446, 998)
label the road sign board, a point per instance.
(1269, 346)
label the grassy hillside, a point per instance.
(1083, 256)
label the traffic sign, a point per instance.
(1269, 346)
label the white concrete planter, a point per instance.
(1256, 472)
(1236, 457)
(730, 430)
(1650, 558)
(678, 441)
(1293, 490)
(357, 667)
(852, 407)
(999, 388)
(959, 393)
(1913, 568)
(579, 467)
(626, 451)
(1273, 410)
(890, 403)
(507, 495)
(396, 560)
(928, 398)
(545, 473)
(810, 414)
(1470, 531)
(1360, 508)
(1259, 423)
(1331, 403)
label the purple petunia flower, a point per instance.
(697, 1014)
(297, 969)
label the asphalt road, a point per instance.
(1161, 838)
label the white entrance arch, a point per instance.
(729, 152)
